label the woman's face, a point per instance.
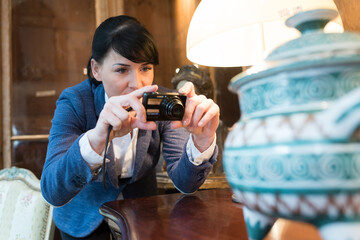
(121, 76)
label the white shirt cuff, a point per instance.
(93, 159)
(195, 156)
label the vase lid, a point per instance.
(311, 48)
(313, 40)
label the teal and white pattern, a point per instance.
(286, 93)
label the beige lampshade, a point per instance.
(232, 33)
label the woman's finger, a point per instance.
(191, 104)
(200, 110)
(188, 89)
(140, 92)
(143, 125)
(108, 118)
(176, 124)
(212, 112)
(117, 110)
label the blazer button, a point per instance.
(201, 176)
(79, 181)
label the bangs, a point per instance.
(135, 44)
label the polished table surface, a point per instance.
(206, 214)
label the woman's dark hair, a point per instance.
(126, 36)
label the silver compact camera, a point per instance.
(164, 106)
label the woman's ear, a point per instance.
(96, 70)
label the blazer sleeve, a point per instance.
(186, 176)
(65, 173)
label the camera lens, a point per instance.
(172, 107)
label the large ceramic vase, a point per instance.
(295, 152)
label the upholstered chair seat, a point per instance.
(24, 214)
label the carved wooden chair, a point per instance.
(24, 214)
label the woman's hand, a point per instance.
(115, 114)
(201, 117)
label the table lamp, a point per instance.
(234, 33)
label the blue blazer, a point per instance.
(67, 182)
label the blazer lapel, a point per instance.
(110, 166)
(99, 97)
(142, 145)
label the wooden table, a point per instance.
(207, 214)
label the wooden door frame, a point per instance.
(6, 87)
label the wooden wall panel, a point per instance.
(108, 8)
(51, 45)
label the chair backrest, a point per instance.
(24, 214)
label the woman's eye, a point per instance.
(122, 70)
(145, 69)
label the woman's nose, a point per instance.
(135, 81)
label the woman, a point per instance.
(122, 66)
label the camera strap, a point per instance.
(105, 152)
